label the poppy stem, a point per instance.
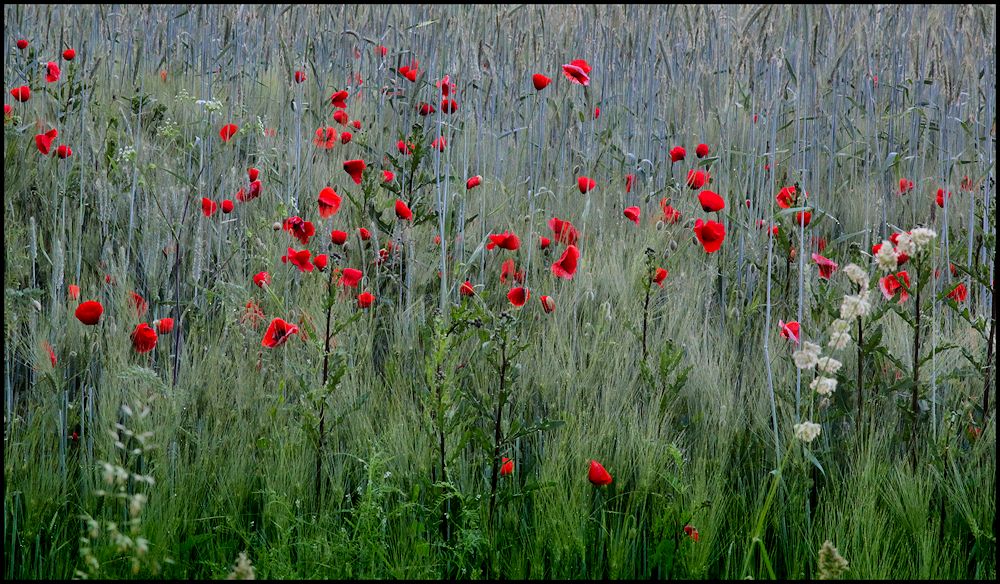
(861, 355)
(645, 319)
(914, 404)
(322, 407)
(989, 358)
(497, 430)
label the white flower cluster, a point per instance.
(828, 364)
(905, 245)
(922, 236)
(839, 337)
(212, 106)
(886, 256)
(855, 306)
(807, 431)
(807, 356)
(857, 275)
(824, 385)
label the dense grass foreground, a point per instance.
(373, 443)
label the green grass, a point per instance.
(687, 435)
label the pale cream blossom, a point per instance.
(828, 365)
(857, 275)
(905, 245)
(807, 356)
(824, 385)
(854, 306)
(922, 236)
(886, 256)
(806, 431)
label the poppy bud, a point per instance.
(276, 226)
(548, 304)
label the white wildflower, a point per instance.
(854, 306)
(922, 236)
(806, 431)
(905, 245)
(823, 385)
(828, 365)
(807, 356)
(857, 275)
(886, 256)
(243, 570)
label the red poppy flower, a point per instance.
(540, 81)
(959, 294)
(299, 229)
(466, 289)
(228, 131)
(350, 277)
(403, 212)
(89, 312)
(597, 475)
(338, 237)
(905, 186)
(339, 99)
(365, 299)
(383, 256)
(449, 106)
(329, 202)
(261, 278)
(548, 304)
(355, 168)
(826, 266)
(346, 137)
(21, 94)
(578, 72)
(52, 354)
(518, 296)
(629, 181)
(22, 44)
(164, 326)
(299, 259)
(8, 112)
(326, 138)
(277, 333)
(892, 283)
(564, 231)
(697, 178)
(410, 72)
(508, 271)
(382, 51)
(506, 467)
(44, 141)
(677, 153)
(544, 242)
(701, 150)
(364, 234)
(820, 243)
(404, 147)
(632, 214)
(473, 182)
(300, 76)
(341, 117)
(789, 330)
(208, 206)
(691, 532)
(356, 124)
(670, 215)
(941, 194)
(597, 112)
(227, 206)
(74, 291)
(143, 338)
(439, 143)
(661, 275)
(388, 176)
(505, 240)
(138, 303)
(52, 72)
(711, 202)
(253, 173)
(710, 235)
(803, 218)
(786, 197)
(320, 261)
(64, 151)
(565, 266)
(586, 184)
